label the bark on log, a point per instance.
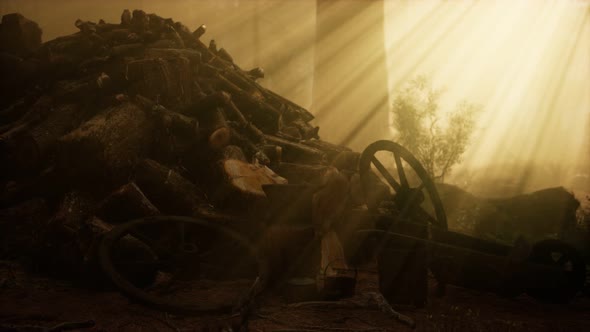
(37, 113)
(176, 136)
(297, 152)
(170, 192)
(234, 152)
(29, 150)
(331, 150)
(195, 57)
(124, 204)
(248, 147)
(104, 150)
(301, 173)
(167, 81)
(261, 114)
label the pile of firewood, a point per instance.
(139, 118)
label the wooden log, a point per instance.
(47, 184)
(126, 18)
(297, 152)
(241, 186)
(291, 132)
(37, 113)
(202, 107)
(122, 36)
(222, 53)
(200, 31)
(103, 151)
(304, 114)
(194, 56)
(242, 81)
(124, 204)
(139, 20)
(219, 138)
(301, 173)
(169, 191)
(307, 131)
(72, 212)
(256, 73)
(127, 49)
(248, 147)
(223, 100)
(176, 136)
(261, 114)
(167, 81)
(29, 150)
(331, 150)
(233, 152)
(345, 160)
(247, 178)
(213, 46)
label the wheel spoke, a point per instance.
(400, 171)
(427, 216)
(396, 186)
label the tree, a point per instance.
(437, 139)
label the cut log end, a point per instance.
(219, 138)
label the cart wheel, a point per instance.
(408, 184)
(180, 264)
(558, 253)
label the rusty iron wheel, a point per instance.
(186, 265)
(408, 196)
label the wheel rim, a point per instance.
(198, 294)
(408, 195)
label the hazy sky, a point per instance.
(526, 62)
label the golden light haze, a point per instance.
(527, 62)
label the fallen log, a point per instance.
(176, 137)
(297, 152)
(30, 149)
(195, 57)
(261, 114)
(169, 191)
(103, 151)
(331, 150)
(247, 179)
(167, 81)
(234, 152)
(124, 204)
(301, 173)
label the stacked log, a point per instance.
(139, 118)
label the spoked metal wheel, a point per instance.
(181, 264)
(409, 186)
(559, 254)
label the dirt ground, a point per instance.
(36, 301)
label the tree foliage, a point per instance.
(437, 139)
